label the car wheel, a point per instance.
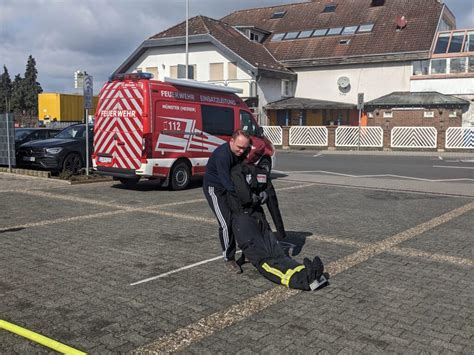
(265, 163)
(72, 163)
(180, 176)
(129, 182)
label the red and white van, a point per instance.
(166, 130)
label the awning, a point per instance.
(300, 103)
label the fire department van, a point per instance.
(166, 130)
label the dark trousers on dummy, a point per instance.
(255, 238)
(217, 200)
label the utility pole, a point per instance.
(187, 41)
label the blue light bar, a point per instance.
(131, 76)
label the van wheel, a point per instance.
(265, 163)
(129, 182)
(72, 163)
(180, 176)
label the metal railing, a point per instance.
(309, 135)
(459, 138)
(367, 137)
(414, 137)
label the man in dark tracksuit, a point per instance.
(217, 184)
(255, 238)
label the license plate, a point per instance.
(105, 159)
(29, 158)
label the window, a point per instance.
(174, 71)
(231, 71)
(469, 46)
(179, 71)
(305, 34)
(388, 114)
(278, 37)
(470, 65)
(254, 37)
(453, 114)
(329, 8)
(152, 70)
(291, 35)
(377, 3)
(319, 33)
(368, 27)
(442, 43)
(286, 88)
(247, 123)
(349, 30)
(428, 114)
(216, 71)
(344, 41)
(278, 14)
(421, 67)
(217, 120)
(456, 43)
(457, 65)
(334, 31)
(438, 66)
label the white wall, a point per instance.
(374, 80)
(200, 54)
(268, 90)
(453, 86)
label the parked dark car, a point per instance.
(24, 135)
(65, 152)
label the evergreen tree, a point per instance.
(17, 101)
(31, 88)
(5, 89)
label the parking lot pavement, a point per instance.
(103, 269)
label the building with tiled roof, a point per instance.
(314, 52)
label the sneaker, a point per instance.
(233, 267)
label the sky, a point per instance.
(98, 35)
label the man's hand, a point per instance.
(263, 197)
(255, 200)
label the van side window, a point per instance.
(247, 123)
(217, 120)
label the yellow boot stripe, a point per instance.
(38, 338)
(290, 273)
(273, 271)
(284, 277)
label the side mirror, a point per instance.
(260, 131)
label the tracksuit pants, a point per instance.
(258, 244)
(217, 199)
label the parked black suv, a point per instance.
(65, 152)
(24, 135)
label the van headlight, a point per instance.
(53, 150)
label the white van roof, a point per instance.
(201, 85)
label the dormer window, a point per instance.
(254, 37)
(278, 14)
(329, 8)
(376, 3)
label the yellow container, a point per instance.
(54, 106)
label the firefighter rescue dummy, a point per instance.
(255, 237)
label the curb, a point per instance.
(46, 175)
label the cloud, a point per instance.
(98, 35)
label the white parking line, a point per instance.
(372, 176)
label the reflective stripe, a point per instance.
(285, 277)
